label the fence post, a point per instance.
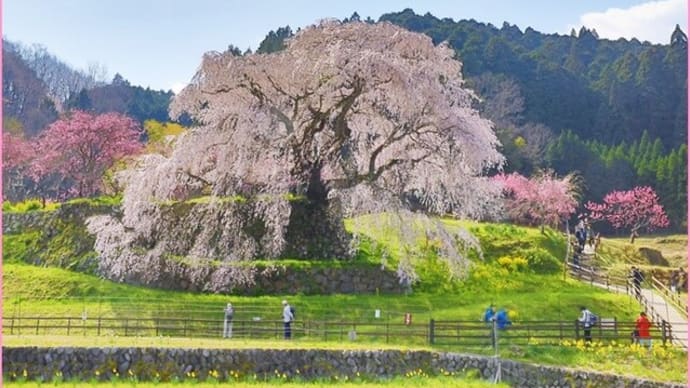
(38, 320)
(388, 323)
(69, 323)
(577, 329)
(12, 325)
(126, 325)
(99, 326)
(666, 334)
(615, 326)
(157, 323)
(431, 331)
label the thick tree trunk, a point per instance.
(316, 229)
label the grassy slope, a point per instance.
(31, 290)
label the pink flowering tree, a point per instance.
(347, 119)
(76, 150)
(635, 210)
(17, 154)
(541, 200)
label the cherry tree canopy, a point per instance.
(81, 146)
(346, 104)
(634, 210)
(16, 151)
(541, 200)
(351, 117)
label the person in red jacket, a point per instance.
(642, 326)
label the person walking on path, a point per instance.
(586, 321)
(642, 326)
(673, 282)
(227, 324)
(637, 278)
(288, 317)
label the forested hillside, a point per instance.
(611, 91)
(38, 86)
(615, 112)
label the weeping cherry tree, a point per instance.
(348, 119)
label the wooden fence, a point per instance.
(673, 298)
(435, 332)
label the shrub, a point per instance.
(434, 274)
(541, 261)
(514, 263)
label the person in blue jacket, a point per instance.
(489, 314)
(502, 320)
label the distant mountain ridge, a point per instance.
(613, 111)
(37, 87)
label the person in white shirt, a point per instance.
(227, 324)
(288, 317)
(586, 323)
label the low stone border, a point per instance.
(226, 364)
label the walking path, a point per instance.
(656, 306)
(662, 309)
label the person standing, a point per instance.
(642, 326)
(227, 324)
(673, 282)
(489, 314)
(489, 318)
(586, 321)
(637, 278)
(502, 321)
(682, 280)
(288, 317)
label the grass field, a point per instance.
(528, 295)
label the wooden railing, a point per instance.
(671, 297)
(661, 320)
(435, 332)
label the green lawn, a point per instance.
(528, 295)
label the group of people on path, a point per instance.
(587, 320)
(288, 317)
(495, 318)
(586, 241)
(640, 335)
(500, 317)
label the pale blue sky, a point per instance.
(159, 43)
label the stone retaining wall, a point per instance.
(169, 364)
(66, 226)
